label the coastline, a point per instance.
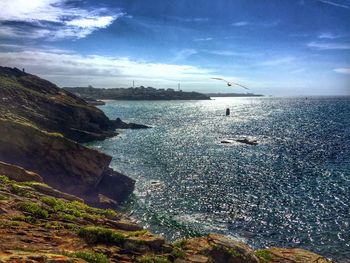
(44, 163)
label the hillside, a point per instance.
(139, 93)
(40, 127)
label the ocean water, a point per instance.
(291, 190)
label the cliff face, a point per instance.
(43, 104)
(40, 127)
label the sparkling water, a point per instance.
(291, 190)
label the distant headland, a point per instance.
(138, 93)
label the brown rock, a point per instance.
(294, 255)
(219, 249)
(19, 174)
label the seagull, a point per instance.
(230, 83)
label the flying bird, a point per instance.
(231, 83)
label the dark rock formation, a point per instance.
(39, 102)
(64, 164)
(19, 174)
(40, 127)
(119, 124)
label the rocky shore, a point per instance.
(56, 194)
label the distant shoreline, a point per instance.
(233, 95)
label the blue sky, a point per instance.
(277, 47)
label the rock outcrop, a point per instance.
(41, 127)
(35, 226)
(19, 174)
(218, 249)
(63, 164)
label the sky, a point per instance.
(275, 47)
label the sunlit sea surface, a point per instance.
(291, 190)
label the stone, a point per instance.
(19, 174)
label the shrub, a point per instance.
(263, 254)
(5, 180)
(92, 257)
(77, 209)
(20, 190)
(33, 209)
(181, 243)
(94, 235)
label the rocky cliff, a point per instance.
(41, 126)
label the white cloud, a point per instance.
(334, 4)
(203, 39)
(51, 19)
(343, 70)
(328, 36)
(240, 23)
(73, 69)
(98, 22)
(184, 54)
(328, 46)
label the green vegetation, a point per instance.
(5, 180)
(3, 197)
(94, 235)
(28, 219)
(136, 233)
(71, 210)
(56, 134)
(181, 243)
(8, 223)
(152, 259)
(178, 253)
(34, 210)
(91, 257)
(233, 252)
(264, 255)
(21, 190)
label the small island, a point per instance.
(138, 93)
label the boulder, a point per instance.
(293, 255)
(119, 124)
(19, 174)
(218, 249)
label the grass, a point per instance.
(233, 252)
(56, 134)
(95, 235)
(34, 210)
(5, 180)
(181, 243)
(75, 209)
(264, 255)
(137, 233)
(28, 219)
(91, 257)
(178, 253)
(152, 259)
(21, 190)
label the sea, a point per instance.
(290, 190)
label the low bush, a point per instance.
(34, 210)
(92, 257)
(94, 235)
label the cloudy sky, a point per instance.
(277, 47)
